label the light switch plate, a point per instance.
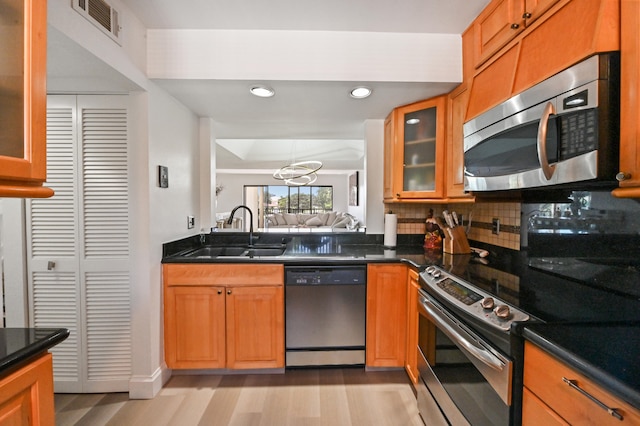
(163, 176)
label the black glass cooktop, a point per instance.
(557, 290)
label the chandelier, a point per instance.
(299, 174)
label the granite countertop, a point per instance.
(606, 353)
(312, 249)
(19, 344)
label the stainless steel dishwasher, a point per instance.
(325, 308)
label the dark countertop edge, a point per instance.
(14, 359)
(593, 372)
(294, 260)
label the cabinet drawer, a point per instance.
(543, 376)
(226, 274)
(534, 411)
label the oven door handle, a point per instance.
(461, 337)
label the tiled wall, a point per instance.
(411, 218)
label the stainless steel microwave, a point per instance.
(561, 131)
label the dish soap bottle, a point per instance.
(433, 234)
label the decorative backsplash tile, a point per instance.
(411, 220)
(582, 213)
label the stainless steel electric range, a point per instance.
(470, 351)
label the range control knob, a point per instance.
(487, 303)
(430, 269)
(436, 274)
(502, 311)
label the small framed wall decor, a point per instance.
(353, 189)
(163, 176)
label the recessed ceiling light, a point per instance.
(262, 91)
(360, 92)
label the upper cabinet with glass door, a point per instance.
(23, 54)
(414, 147)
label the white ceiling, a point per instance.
(317, 112)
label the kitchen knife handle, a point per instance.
(447, 218)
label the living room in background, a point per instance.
(271, 199)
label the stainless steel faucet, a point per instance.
(250, 221)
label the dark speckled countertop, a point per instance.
(313, 249)
(19, 344)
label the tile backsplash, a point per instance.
(411, 220)
(582, 213)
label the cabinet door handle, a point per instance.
(515, 26)
(574, 384)
(526, 15)
(219, 291)
(228, 291)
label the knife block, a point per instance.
(455, 241)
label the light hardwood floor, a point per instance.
(334, 397)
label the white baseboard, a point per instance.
(147, 387)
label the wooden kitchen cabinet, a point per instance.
(386, 332)
(501, 21)
(389, 149)
(629, 175)
(26, 395)
(23, 99)
(547, 396)
(414, 150)
(550, 44)
(498, 23)
(411, 358)
(224, 316)
(195, 332)
(255, 327)
(457, 107)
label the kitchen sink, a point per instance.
(216, 251)
(235, 251)
(265, 251)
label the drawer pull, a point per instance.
(574, 385)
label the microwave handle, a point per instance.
(547, 169)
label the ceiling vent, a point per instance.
(102, 15)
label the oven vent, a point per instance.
(102, 15)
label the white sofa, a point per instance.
(313, 220)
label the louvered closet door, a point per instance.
(83, 229)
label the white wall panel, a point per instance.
(303, 55)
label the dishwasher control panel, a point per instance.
(325, 275)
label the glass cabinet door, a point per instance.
(12, 79)
(419, 165)
(23, 98)
(419, 150)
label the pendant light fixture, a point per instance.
(298, 173)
